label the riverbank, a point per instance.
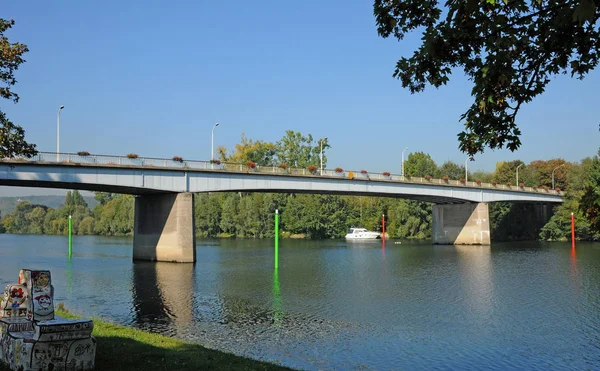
(124, 348)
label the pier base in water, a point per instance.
(164, 228)
(461, 224)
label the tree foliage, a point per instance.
(260, 152)
(451, 170)
(509, 49)
(12, 137)
(297, 150)
(420, 164)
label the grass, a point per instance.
(124, 348)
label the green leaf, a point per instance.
(485, 70)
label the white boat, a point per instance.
(362, 234)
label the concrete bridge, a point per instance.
(164, 222)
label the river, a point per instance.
(339, 305)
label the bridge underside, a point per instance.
(81, 187)
(147, 191)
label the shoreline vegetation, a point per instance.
(327, 216)
(124, 348)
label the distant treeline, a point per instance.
(330, 216)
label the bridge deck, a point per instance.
(150, 175)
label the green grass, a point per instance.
(124, 348)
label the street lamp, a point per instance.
(553, 174)
(518, 174)
(58, 133)
(403, 160)
(212, 146)
(466, 171)
(321, 141)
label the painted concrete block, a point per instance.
(33, 338)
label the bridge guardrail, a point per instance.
(108, 160)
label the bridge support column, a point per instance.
(461, 224)
(164, 228)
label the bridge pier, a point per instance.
(164, 228)
(461, 224)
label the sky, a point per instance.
(153, 77)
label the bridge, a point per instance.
(164, 223)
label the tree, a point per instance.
(296, 150)
(103, 197)
(590, 200)
(506, 172)
(420, 164)
(451, 170)
(12, 137)
(249, 150)
(509, 49)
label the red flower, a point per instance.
(16, 293)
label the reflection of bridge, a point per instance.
(164, 222)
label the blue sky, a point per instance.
(152, 77)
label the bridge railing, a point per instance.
(131, 160)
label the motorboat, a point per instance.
(362, 234)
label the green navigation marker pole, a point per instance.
(276, 239)
(70, 237)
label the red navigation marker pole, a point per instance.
(572, 230)
(383, 227)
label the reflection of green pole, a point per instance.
(278, 313)
(69, 277)
(276, 239)
(70, 237)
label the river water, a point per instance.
(340, 305)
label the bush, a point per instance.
(339, 170)
(494, 182)
(478, 182)
(557, 189)
(132, 155)
(428, 177)
(177, 159)
(463, 180)
(509, 184)
(251, 164)
(408, 176)
(282, 166)
(312, 168)
(216, 162)
(445, 178)
(363, 171)
(522, 185)
(386, 173)
(83, 153)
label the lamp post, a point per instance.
(403, 160)
(466, 171)
(212, 146)
(321, 141)
(553, 174)
(58, 133)
(518, 174)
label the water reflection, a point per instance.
(277, 310)
(69, 277)
(163, 294)
(476, 278)
(574, 270)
